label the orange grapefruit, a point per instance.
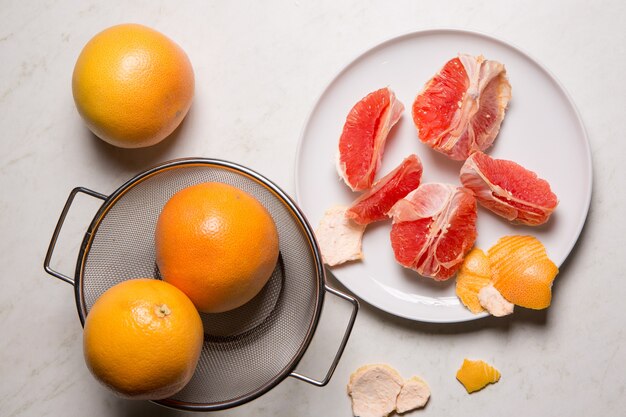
(142, 339)
(132, 85)
(216, 243)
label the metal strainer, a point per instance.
(246, 351)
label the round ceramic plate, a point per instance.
(542, 131)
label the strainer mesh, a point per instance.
(243, 350)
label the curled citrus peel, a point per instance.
(474, 274)
(522, 271)
(516, 270)
(476, 375)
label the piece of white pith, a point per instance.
(414, 394)
(374, 389)
(377, 390)
(492, 301)
(339, 238)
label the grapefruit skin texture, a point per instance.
(434, 227)
(508, 189)
(362, 141)
(522, 271)
(474, 274)
(132, 85)
(374, 204)
(476, 375)
(216, 243)
(143, 339)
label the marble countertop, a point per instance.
(259, 68)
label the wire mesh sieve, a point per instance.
(246, 351)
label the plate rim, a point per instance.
(457, 31)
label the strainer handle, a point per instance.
(342, 346)
(57, 230)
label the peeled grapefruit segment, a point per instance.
(374, 204)
(522, 271)
(460, 109)
(508, 189)
(433, 228)
(362, 141)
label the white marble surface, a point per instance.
(259, 68)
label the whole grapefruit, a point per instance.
(217, 243)
(132, 85)
(143, 339)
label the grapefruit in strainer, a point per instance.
(143, 339)
(363, 138)
(216, 243)
(508, 189)
(433, 229)
(460, 109)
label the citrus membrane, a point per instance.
(363, 138)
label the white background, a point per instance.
(259, 68)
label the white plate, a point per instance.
(541, 131)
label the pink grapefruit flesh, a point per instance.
(508, 189)
(461, 108)
(374, 204)
(363, 138)
(434, 227)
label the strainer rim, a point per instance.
(285, 199)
